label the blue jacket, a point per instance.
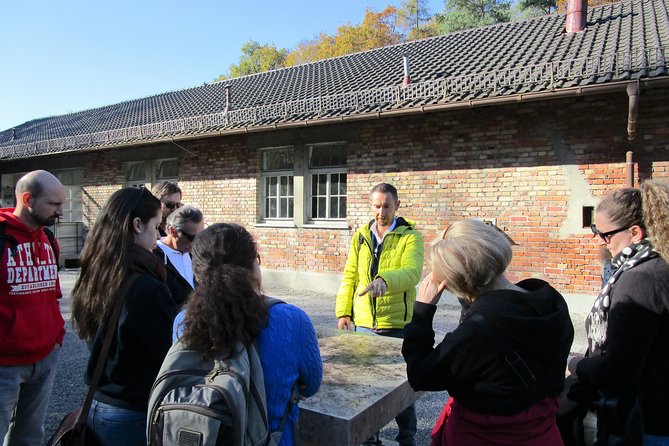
(289, 352)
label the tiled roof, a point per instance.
(622, 41)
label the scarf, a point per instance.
(597, 321)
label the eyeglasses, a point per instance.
(190, 237)
(606, 236)
(172, 205)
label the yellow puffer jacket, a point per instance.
(400, 266)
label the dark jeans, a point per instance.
(406, 420)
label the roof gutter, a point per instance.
(455, 105)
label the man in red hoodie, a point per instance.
(31, 326)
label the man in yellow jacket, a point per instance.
(378, 289)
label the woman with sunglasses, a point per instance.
(504, 364)
(117, 263)
(228, 307)
(627, 362)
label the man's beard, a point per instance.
(42, 221)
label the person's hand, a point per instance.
(429, 291)
(377, 288)
(344, 323)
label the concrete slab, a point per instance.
(364, 387)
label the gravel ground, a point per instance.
(69, 389)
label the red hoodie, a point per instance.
(30, 319)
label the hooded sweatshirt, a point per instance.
(471, 365)
(30, 319)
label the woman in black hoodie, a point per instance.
(117, 264)
(504, 364)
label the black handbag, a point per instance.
(73, 430)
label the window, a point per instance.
(278, 183)
(588, 216)
(167, 170)
(303, 184)
(146, 173)
(327, 172)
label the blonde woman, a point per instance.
(504, 364)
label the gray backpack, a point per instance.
(194, 402)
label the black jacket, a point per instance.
(637, 340)
(178, 286)
(141, 341)
(470, 364)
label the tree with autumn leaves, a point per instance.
(411, 20)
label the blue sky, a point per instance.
(58, 57)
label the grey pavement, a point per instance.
(69, 389)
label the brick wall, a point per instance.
(531, 166)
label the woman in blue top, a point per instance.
(228, 306)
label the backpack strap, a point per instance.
(511, 355)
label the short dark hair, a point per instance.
(164, 188)
(386, 188)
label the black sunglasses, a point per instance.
(171, 205)
(190, 237)
(606, 236)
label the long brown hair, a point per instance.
(106, 256)
(227, 305)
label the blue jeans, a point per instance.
(406, 420)
(24, 397)
(117, 426)
(653, 440)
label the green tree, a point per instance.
(256, 58)
(413, 18)
(465, 14)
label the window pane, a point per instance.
(342, 184)
(328, 156)
(322, 184)
(290, 207)
(334, 208)
(314, 207)
(334, 184)
(271, 206)
(314, 185)
(280, 159)
(342, 207)
(322, 211)
(284, 187)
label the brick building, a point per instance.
(522, 124)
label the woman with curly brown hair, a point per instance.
(628, 327)
(118, 249)
(228, 307)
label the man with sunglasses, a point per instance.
(174, 250)
(169, 195)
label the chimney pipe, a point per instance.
(13, 134)
(407, 78)
(632, 110)
(227, 98)
(577, 11)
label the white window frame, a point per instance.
(303, 177)
(277, 174)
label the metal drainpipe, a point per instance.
(632, 113)
(629, 169)
(632, 110)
